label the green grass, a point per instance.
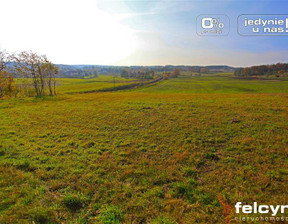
(73, 85)
(218, 84)
(144, 156)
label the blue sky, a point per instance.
(171, 25)
(137, 32)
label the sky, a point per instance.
(137, 32)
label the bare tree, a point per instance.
(49, 72)
(39, 69)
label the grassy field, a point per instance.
(218, 84)
(145, 156)
(73, 85)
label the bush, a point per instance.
(7, 87)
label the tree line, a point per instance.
(68, 71)
(279, 69)
(37, 74)
(174, 74)
(148, 74)
(138, 74)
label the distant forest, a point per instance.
(90, 71)
(70, 71)
(277, 70)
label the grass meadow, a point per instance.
(183, 150)
(218, 84)
(78, 85)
